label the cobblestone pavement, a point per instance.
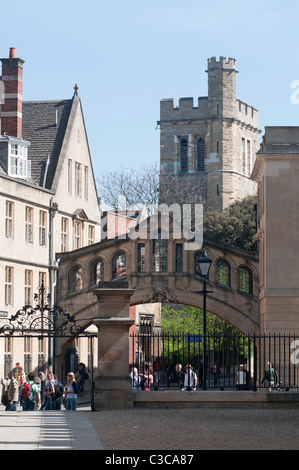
(197, 429)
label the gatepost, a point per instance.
(113, 387)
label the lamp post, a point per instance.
(204, 263)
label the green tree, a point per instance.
(234, 226)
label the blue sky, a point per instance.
(128, 55)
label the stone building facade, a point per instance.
(48, 201)
(209, 149)
(276, 172)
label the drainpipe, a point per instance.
(53, 210)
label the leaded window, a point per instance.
(184, 155)
(245, 280)
(200, 154)
(223, 273)
(119, 265)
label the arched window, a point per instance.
(184, 155)
(245, 280)
(119, 265)
(96, 271)
(75, 279)
(223, 273)
(200, 155)
(160, 252)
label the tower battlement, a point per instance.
(222, 63)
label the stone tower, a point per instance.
(208, 150)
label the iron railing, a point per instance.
(232, 361)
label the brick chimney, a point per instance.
(11, 109)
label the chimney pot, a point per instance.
(12, 53)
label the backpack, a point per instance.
(27, 392)
(58, 390)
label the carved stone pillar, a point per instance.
(113, 387)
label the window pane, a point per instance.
(184, 155)
(200, 155)
(223, 273)
(245, 280)
(119, 265)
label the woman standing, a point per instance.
(49, 392)
(71, 391)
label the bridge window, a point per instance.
(141, 257)
(245, 280)
(179, 258)
(96, 272)
(184, 155)
(200, 155)
(160, 251)
(75, 279)
(119, 265)
(223, 273)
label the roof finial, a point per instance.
(76, 88)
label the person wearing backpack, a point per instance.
(71, 391)
(58, 389)
(29, 393)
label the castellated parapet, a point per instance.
(211, 143)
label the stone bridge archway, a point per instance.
(233, 279)
(99, 283)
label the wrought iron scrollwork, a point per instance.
(42, 319)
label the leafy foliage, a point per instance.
(182, 319)
(234, 226)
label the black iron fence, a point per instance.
(231, 361)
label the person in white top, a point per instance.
(190, 379)
(71, 391)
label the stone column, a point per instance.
(113, 387)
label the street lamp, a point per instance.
(204, 263)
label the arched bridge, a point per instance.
(162, 270)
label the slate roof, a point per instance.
(44, 125)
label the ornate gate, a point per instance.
(50, 323)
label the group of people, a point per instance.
(39, 392)
(147, 376)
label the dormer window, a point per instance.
(18, 165)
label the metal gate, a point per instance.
(50, 323)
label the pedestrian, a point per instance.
(179, 375)
(59, 389)
(147, 379)
(38, 383)
(15, 369)
(12, 393)
(71, 391)
(214, 371)
(49, 392)
(270, 376)
(43, 379)
(5, 383)
(157, 370)
(29, 393)
(21, 378)
(81, 377)
(135, 379)
(190, 379)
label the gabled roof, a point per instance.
(44, 125)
